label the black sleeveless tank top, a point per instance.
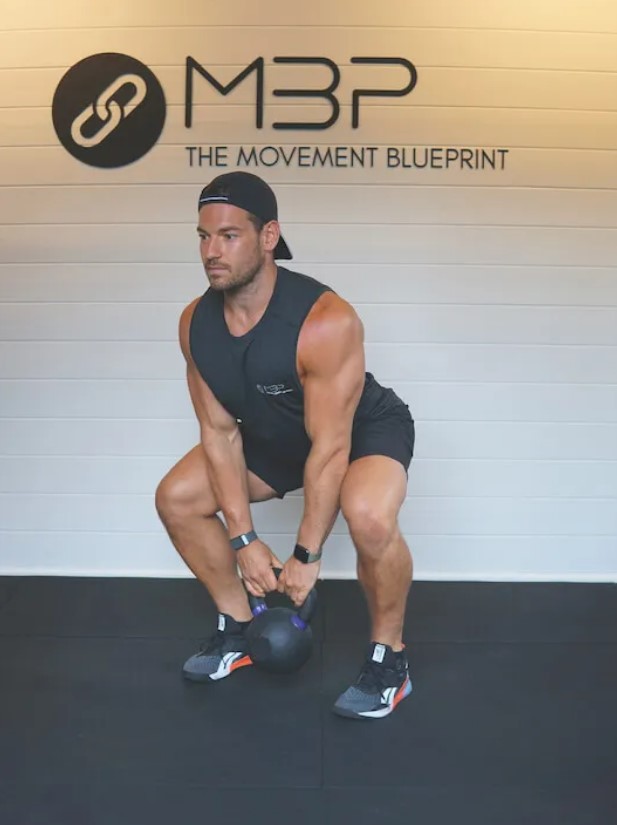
(254, 375)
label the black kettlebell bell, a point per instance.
(280, 639)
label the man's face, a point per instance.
(232, 250)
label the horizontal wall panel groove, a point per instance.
(301, 265)
(161, 535)
(420, 420)
(95, 458)
(471, 557)
(452, 439)
(563, 285)
(546, 130)
(377, 304)
(112, 266)
(336, 205)
(390, 362)
(594, 16)
(309, 189)
(227, 69)
(599, 59)
(346, 224)
(597, 62)
(390, 244)
(407, 323)
(372, 27)
(293, 225)
(27, 475)
(422, 515)
(261, 33)
(402, 110)
(219, 113)
(412, 499)
(435, 401)
(455, 383)
(436, 86)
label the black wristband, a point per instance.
(243, 539)
(305, 556)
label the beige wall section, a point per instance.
(489, 298)
(597, 16)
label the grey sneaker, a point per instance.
(383, 682)
(223, 653)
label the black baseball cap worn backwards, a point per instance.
(248, 192)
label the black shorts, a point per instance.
(391, 434)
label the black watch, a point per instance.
(305, 556)
(238, 542)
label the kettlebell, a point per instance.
(280, 639)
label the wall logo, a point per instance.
(108, 110)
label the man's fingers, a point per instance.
(254, 588)
(268, 581)
(264, 581)
(298, 597)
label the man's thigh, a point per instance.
(391, 435)
(190, 481)
(374, 483)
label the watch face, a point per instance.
(301, 553)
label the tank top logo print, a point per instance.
(273, 389)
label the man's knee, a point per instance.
(179, 496)
(371, 527)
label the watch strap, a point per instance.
(238, 542)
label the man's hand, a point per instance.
(298, 579)
(256, 561)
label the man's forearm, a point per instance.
(228, 477)
(323, 478)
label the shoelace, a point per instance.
(371, 678)
(215, 644)
(212, 645)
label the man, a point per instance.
(276, 374)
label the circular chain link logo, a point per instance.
(108, 110)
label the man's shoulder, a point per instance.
(301, 278)
(331, 319)
(186, 320)
(187, 313)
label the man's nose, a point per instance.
(213, 249)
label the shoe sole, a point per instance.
(224, 669)
(401, 693)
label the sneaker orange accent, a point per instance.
(401, 693)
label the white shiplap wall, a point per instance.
(489, 298)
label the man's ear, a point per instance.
(271, 233)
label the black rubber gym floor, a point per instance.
(512, 720)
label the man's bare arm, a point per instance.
(331, 358)
(221, 440)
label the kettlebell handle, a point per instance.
(305, 613)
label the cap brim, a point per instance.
(282, 251)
